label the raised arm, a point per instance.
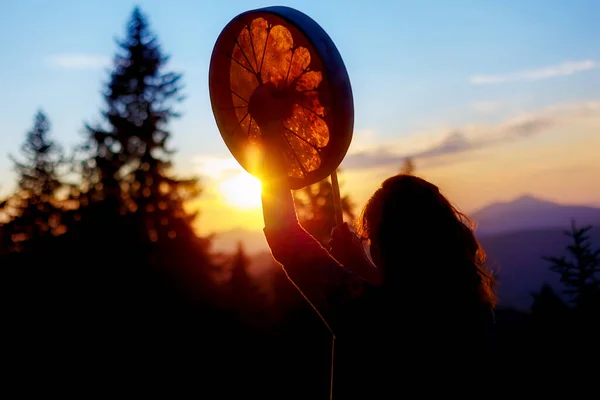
(322, 279)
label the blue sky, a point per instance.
(415, 66)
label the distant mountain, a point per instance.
(526, 213)
(530, 213)
(516, 257)
(515, 235)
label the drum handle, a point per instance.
(337, 201)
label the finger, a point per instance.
(335, 232)
(334, 243)
(336, 247)
(340, 230)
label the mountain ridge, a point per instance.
(529, 213)
(514, 234)
(524, 213)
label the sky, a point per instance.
(493, 100)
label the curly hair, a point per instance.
(422, 237)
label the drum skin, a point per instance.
(276, 77)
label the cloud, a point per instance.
(454, 142)
(486, 106)
(564, 69)
(436, 148)
(217, 168)
(462, 140)
(78, 61)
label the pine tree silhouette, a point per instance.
(549, 322)
(128, 172)
(244, 292)
(566, 335)
(408, 166)
(31, 271)
(580, 273)
(547, 305)
(133, 255)
(129, 280)
(35, 208)
(240, 279)
(316, 210)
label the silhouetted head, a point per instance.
(421, 242)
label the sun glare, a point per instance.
(242, 191)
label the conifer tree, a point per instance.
(580, 273)
(408, 166)
(35, 208)
(316, 210)
(133, 206)
(131, 160)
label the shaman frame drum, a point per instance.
(276, 75)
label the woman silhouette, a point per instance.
(421, 310)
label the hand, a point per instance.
(345, 245)
(347, 248)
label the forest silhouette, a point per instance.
(104, 277)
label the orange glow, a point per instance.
(276, 93)
(242, 191)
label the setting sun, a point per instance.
(241, 191)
